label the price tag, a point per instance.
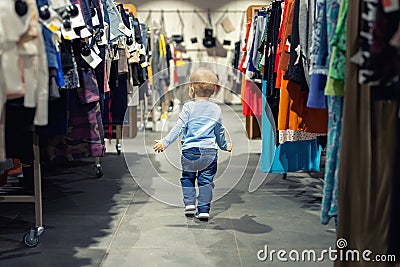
(288, 45)
(56, 4)
(116, 56)
(390, 5)
(78, 21)
(93, 59)
(96, 49)
(85, 33)
(122, 42)
(69, 34)
(57, 38)
(122, 28)
(263, 60)
(95, 19)
(104, 40)
(54, 22)
(142, 50)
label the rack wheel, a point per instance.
(31, 239)
(119, 149)
(99, 171)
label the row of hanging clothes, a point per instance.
(161, 60)
(66, 68)
(277, 89)
(331, 67)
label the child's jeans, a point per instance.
(201, 164)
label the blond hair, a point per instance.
(204, 82)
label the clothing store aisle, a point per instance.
(113, 222)
(283, 214)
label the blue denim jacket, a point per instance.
(114, 18)
(48, 41)
(106, 16)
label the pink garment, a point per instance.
(106, 86)
(252, 99)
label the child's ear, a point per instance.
(191, 92)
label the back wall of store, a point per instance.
(193, 24)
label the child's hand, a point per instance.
(229, 149)
(158, 147)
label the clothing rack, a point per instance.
(31, 238)
(204, 49)
(132, 114)
(253, 128)
(188, 11)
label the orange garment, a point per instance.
(287, 24)
(150, 73)
(294, 113)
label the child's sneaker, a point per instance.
(190, 209)
(203, 216)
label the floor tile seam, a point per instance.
(88, 214)
(236, 242)
(117, 229)
(178, 248)
(74, 196)
(169, 248)
(283, 190)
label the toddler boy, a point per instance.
(200, 122)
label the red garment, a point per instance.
(17, 167)
(279, 49)
(248, 27)
(252, 99)
(176, 78)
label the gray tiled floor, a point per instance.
(112, 222)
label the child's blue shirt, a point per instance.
(200, 122)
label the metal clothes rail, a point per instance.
(188, 11)
(31, 238)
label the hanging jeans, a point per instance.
(115, 19)
(200, 164)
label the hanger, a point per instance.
(181, 20)
(221, 17)
(200, 16)
(162, 22)
(148, 18)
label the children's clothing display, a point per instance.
(285, 86)
(65, 70)
(332, 67)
